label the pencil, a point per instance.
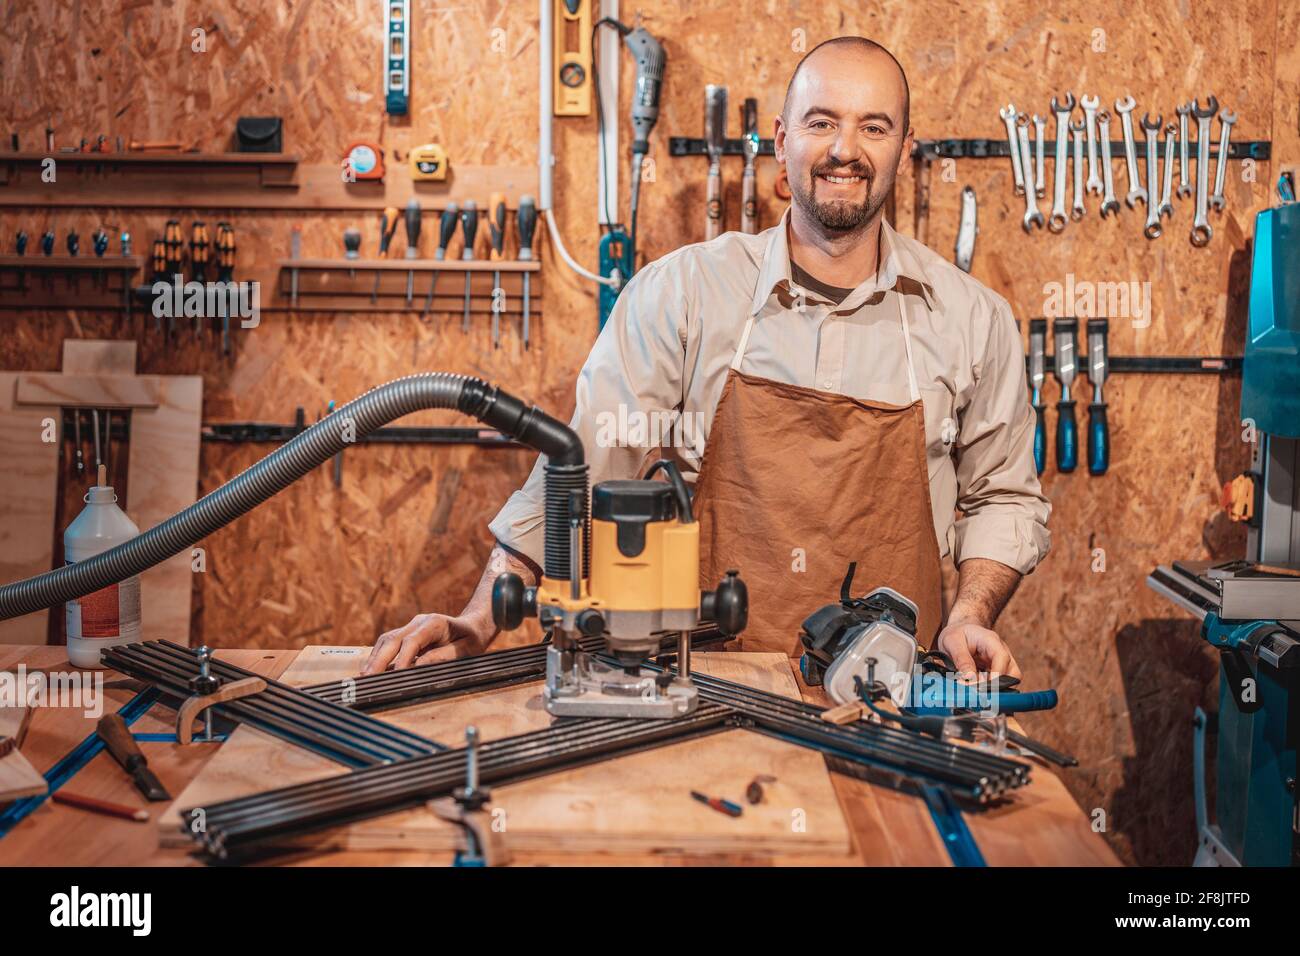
(96, 805)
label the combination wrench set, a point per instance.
(1092, 135)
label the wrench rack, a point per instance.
(931, 149)
(898, 758)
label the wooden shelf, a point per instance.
(273, 170)
(67, 282)
(66, 263)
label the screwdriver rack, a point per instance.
(63, 281)
(348, 285)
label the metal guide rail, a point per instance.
(312, 718)
(351, 738)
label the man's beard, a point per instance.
(838, 215)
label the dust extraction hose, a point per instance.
(315, 446)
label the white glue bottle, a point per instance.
(109, 616)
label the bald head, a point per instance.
(839, 53)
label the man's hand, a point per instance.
(428, 638)
(976, 650)
(983, 589)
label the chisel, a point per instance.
(412, 243)
(748, 189)
(446, 229)
(387, 226)
(112, 729)
(469, 227)
(715, 130)
(1098, 428)
(526, 222)
(1037, 374)
(1065, 335)
(497, 239)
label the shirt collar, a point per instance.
(899, 264)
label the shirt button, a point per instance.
(826, 384)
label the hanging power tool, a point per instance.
(638, 582)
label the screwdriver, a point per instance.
(47, 249)
(497, 236)
(74, 245)
(20, 246)
(469, 226)
(446, 229)
(159, 273)
(351, 247)
(387, 226)
(99, 242)
(719, 804)
(412, 243)
(199, 254)
(526, 222)
(226, 274)
(175, 244)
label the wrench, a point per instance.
(1135, 191)
(1226, 120)
(1040, 180)
(1056, 221)
(1032, 216)
(1090, 104)
(1166, 208)
(1008, 114)
(1184, 168)
(1109, 204)
(1201, 231)
(1152, 229)
(1076, 211)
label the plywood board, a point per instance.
(639, 803)
(18, 778)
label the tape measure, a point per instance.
(428, 162)
(364, 160)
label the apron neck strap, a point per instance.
(913, 389)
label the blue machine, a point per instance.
(1250, 609)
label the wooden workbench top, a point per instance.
(1041, 825)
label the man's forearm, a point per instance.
(984, 587)
(479, 608)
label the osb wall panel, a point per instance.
(406, 530)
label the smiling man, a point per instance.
(859, 399)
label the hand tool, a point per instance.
(73, 243)
(99, 460)
(76, 438)
(49, 135)
(715, 131)
(484, 844)
(1090, 104)
(1032, 216)
(428, 163)
(363, 160)
(149, 145)
(468, 228)
(1184, 148)
(1201, 231)
(413, 217)
(754, 792)
(124, 241)
(199, 257)
(967, 227)
(1226, 120)
(175, 246)
(749, 188)
(1153, 229)
(96, 805)
(648, 55)
(112, 729)
(1008, 114)
(1077, 210)
(574, 67)
(1040, 178)
(526, 224)
(99, 243)
(1056, 221)
(351, 247)
(295, 253)
(108, 442)
(225, 274)
(717, 803)
(496, 239)
(159, 262)
(1166, 207)
(1109, 204)
(1064, 340)
(397, 56)
(1098, 427)
(20, 247)
(1037, 374)
(47, 249)
(1136, 192)
(446, 229)
(1285, 192)
(387, 226)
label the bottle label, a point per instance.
(106, 612)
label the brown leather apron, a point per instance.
(796, 483)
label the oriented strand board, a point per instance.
(638, 803)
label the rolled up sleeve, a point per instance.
(1004, 511)
(634, 372)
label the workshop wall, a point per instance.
(406, 530)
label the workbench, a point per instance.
(1038, 825)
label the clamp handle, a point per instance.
(196, 705)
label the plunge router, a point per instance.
(640, 584)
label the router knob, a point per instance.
(511, 601)
(590, 622)
(728, 606)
